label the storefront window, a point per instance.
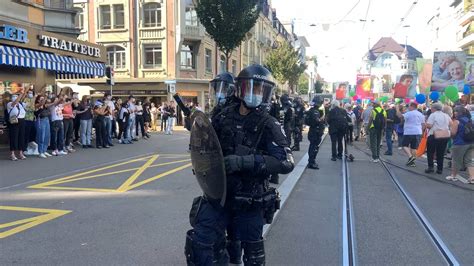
(188, 60)
(116, 57)
(119, 17)
(153, 56)
(105, 21)
(152, 15)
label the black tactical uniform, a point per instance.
(275, 108)
(254, 148)
(299, 121)
(288, 115)
(313, 118)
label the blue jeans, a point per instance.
(388, 138)
(169, 126)
(108, 131)
(43, 134)
(86, 132)
(57, 135)
(129, 129)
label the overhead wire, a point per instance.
(403, 19)
(366, 15)
(348, 13)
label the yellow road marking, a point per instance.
(158, 176)
(28, 223)
(135, 175)
(117, 172)
(80, 189)
(53, 182)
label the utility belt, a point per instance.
(268, 201)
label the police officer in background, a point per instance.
(288, 114)
(314, 118)
(254, 148)
(222, 87)
(275, 107)
(299, 122)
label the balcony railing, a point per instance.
(152, 33)
(194, 32)
(50, 4)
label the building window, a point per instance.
(208, 60)
(104, 15)
(152, 15)
(79, 20)
(190, 16)
(153, 56)
(222, 65)
(116, 57)
(119, 17)
(234, 67)
(188, 60)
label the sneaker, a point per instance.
(388, 153)
(120, 141)
(399, 148)
(48, 154)
(413, 164)
(439, 171)
(313, 166)
(411, 160)
(62, 153)
(333, 159)
(55, 153)
(42, 155)
(452, 178)
(375, 160)
(70, 149)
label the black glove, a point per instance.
(236, 163)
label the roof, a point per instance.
(388, 44)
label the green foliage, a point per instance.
(227, 21)
(284, 64)
(303, 85)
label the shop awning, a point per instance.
(15, 56)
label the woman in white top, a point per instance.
(438, 124)
(16, 125)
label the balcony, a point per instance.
(152, 33)
(466, 17)
(467, 40)
(194, 32)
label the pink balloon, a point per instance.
(355, 97)
(407, 100)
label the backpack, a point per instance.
(349, 120)
(358, 113)
(468, 135)
(378, 119)
(341, 121)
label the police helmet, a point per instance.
(255, 86)
(222, 87)
(285, 99)
(317, 101)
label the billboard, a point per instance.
(363, 86)
(425, 70)
(405, 86)
(341, 89)
(448, 70)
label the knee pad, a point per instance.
(197, 253)
(254, 252)
(234, 249)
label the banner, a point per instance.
(405, 86)
(448, 70)
(363, 87)
(425, 70)
(341, 90)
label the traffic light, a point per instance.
(109, 74)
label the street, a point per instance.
(129, 205)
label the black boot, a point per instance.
(296, 147)
(313, 166)
(234, 249)
(254, 253)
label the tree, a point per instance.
(303, 85)
(284, 64)
(227, 21)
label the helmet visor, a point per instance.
(254, 92)
(220, 90)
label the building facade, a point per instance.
(38, 44)
(157, 47)
(465, 20)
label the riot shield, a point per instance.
(207, 158)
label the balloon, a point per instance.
(355, 98)
(352, 93)
(427, 90)
(451, 93)
(467, 89)
(384, 98)
(397, 100)
(420, 98)
(442, 98)
(359, 100)
(434, 96)
(407, 100)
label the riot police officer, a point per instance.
(288, 116)
(314, 118)
(222, 91)
(299, 121)
(254, 148)
(275, 107)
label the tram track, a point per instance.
(349, 247)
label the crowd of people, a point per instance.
(47, 125)
(446, 129)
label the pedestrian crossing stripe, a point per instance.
(127, 185)
(27, 223)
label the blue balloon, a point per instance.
(467, 89)
(359, 100)
(420, 98)
(434, 96)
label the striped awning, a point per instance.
(21, 57)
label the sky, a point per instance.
(340, 39)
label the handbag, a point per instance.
(422, 146)
(13, 119)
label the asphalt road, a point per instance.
(129, 205)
